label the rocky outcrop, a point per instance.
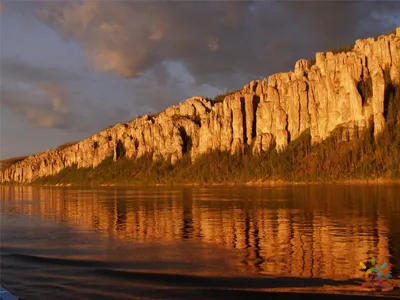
(343, 89)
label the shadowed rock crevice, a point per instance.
(244, 123)
(120, 150)
(187, 141)
(392, 100)
(390, 95)
(389, 92)
(256, 102)
(364, 88)
(197, 120)
(136, 144)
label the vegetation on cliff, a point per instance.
(220, 97)
(341, 49)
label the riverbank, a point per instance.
(259, 183)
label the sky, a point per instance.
(69, 69)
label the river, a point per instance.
(194, 242)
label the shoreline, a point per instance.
(258, 183)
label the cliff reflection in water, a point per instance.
(315, 231)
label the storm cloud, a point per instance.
(38, 94)
(18, 69)
(212, 39)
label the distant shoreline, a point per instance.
(259, 183)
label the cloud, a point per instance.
(388, 18)
(48, 105)
(33, 105)
(213, 43)
(210, 38)
(41, 95)
(58, 95)
(15, 68)
(30, 105)
(39, 117)
(167, 84)
(173, 50)
(54, 97)
(38, 94)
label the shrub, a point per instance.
(221, 97)
(341, 49)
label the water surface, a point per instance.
(198, 243)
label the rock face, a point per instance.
(344, 89)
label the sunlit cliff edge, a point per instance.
(351, 90)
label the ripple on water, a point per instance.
(180, 242)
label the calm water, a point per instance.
(197, 243)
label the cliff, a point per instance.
(349, 89)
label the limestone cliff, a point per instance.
(344, 89)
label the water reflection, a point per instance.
(316, 231)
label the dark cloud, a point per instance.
(15, 68)
(38, 94)
(33, 106)
(48, 97)
(167, 84)
(49, 105)
(221, 43)
(213, 39)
